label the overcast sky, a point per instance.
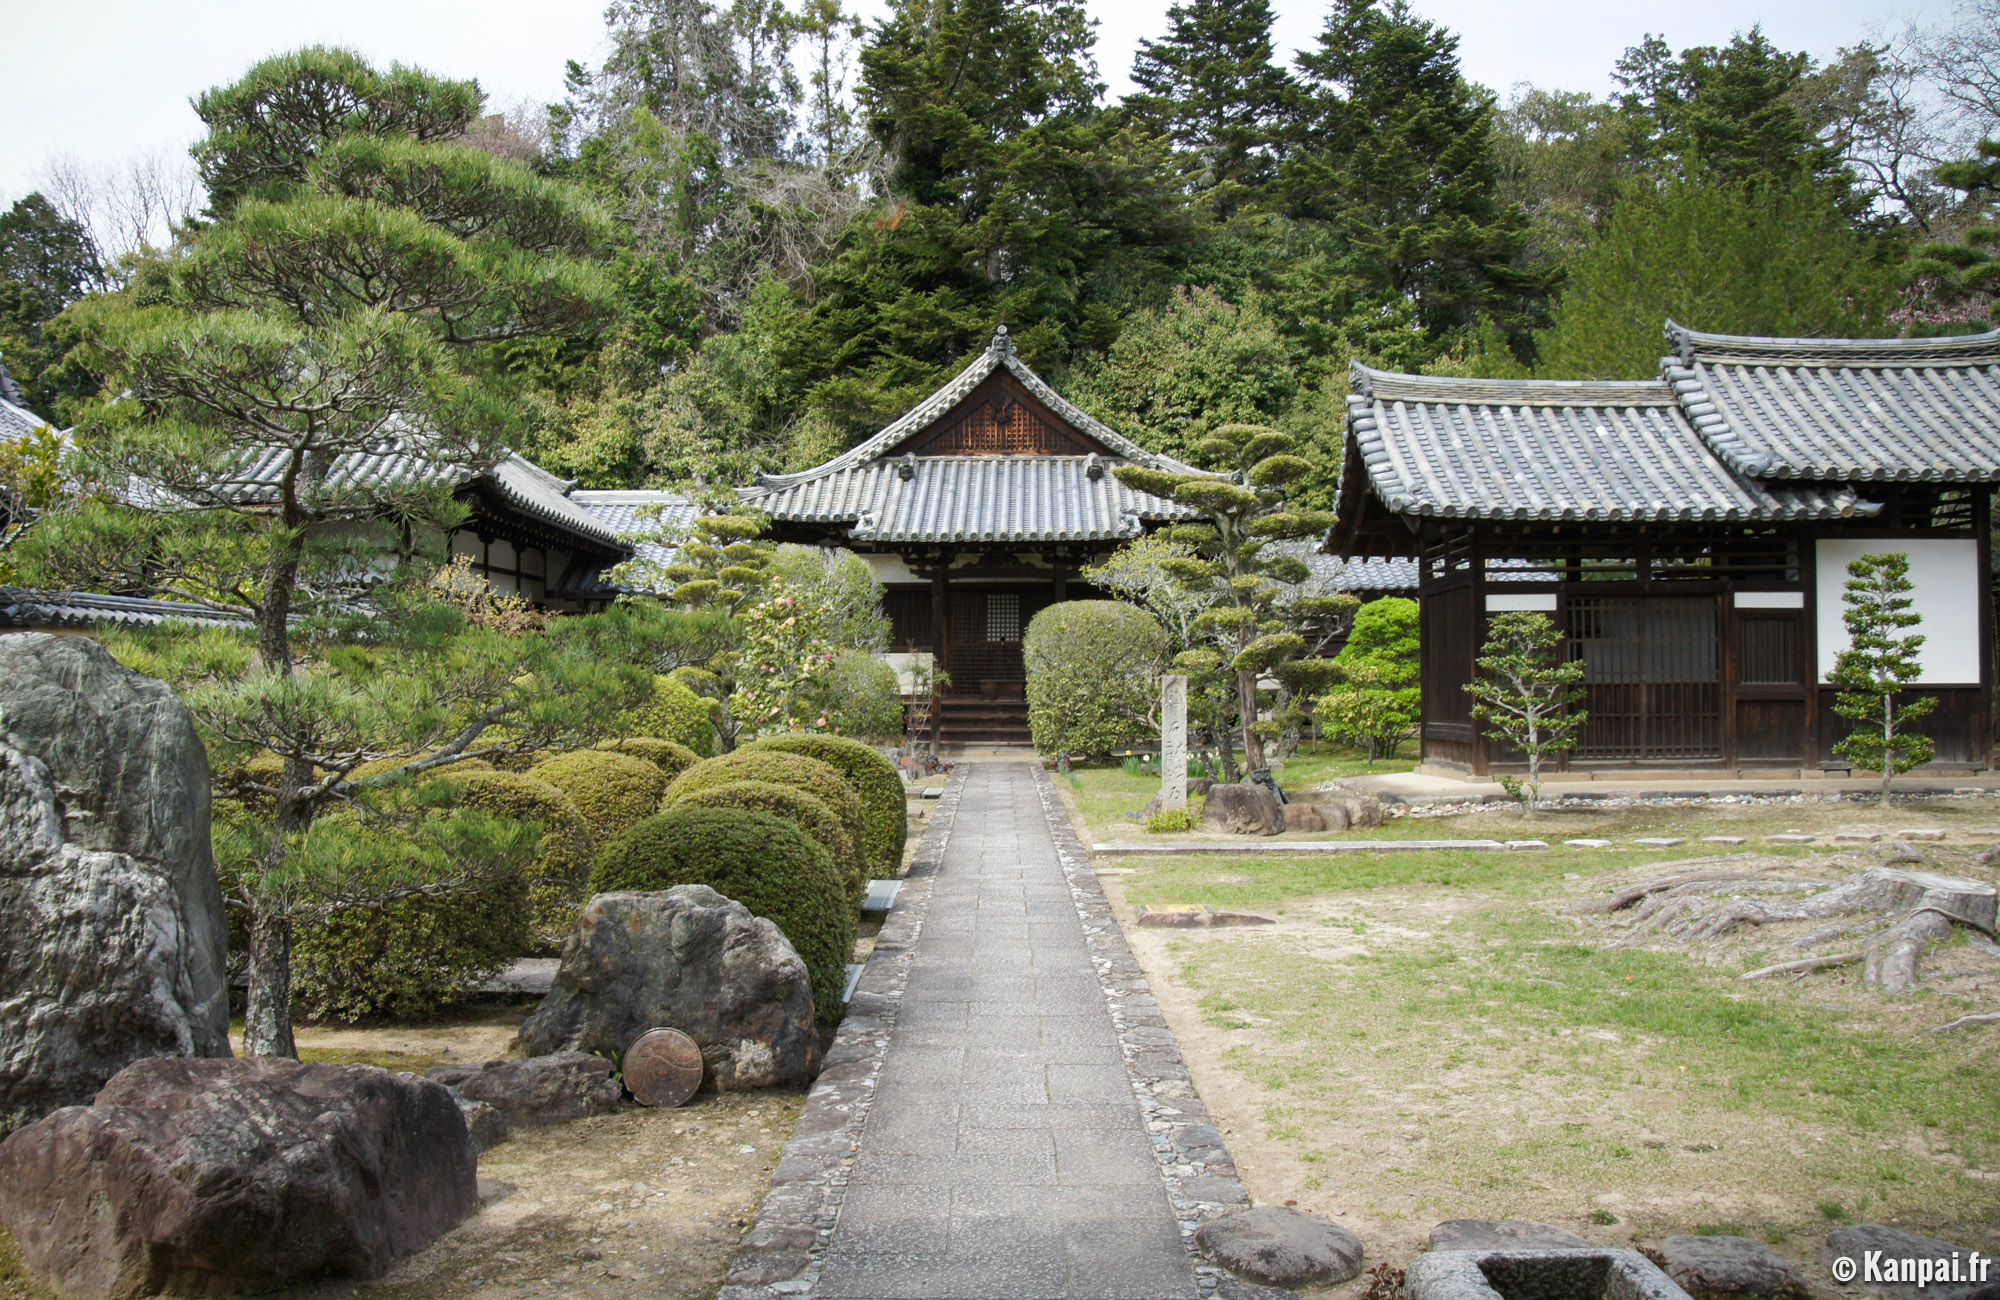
(104, 79)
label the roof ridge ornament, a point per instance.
(906, 466)
(1002, 344)
(1093, 467)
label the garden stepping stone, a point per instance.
(1855, 1241)
(1186, 916)
(1502, 1234)
(1527, 844)
(1587, 844)
(1275, 1246)
(1727, 1266)
(1659, 841)
(1722, 839)
(1856, 837)
(933, 792)
(1926, 836)
(1790, 839)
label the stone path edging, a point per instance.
(780, 1256)
(1200, 1175)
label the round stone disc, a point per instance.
(662, 1067)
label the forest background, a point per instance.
(814, 221)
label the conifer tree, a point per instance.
(1879, 664)
(1395, 149)
(1210, 87)
(1528, 694)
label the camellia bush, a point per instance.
(1093, 676)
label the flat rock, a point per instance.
(112, 936)
(1189, 916)
(1790, 839)
(689, 959)
(1527, 844)
(1855, 1241)
(1722, 839)
(484, 1123)
(1587, 844)
(540, 1090)
(1243, 810)
(1727, 1266)
(1659, 841)
(1856, 837)
(933, 792)
(1924, 836)
(1305, 817)
(1279, 1247)
(206, 1177)
(1501, 1234)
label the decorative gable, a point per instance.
(1001, 417)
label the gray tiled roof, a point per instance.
(973, 498)
(524, 484)
(628, 513)
(1553, 451)
(17, 421)
(1858, 410)
(20, 607)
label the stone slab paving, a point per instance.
(1004, 1115)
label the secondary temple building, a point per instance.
(1691, 535)
(976, 509)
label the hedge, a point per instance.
(874, 778)
(670, 756)
(675, 713)
(763, 862)
(808, 812)
(558, 880)
(612, 791)
(1092, 676)
(818, 779)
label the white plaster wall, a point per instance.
(1945, 575)
(890, 568)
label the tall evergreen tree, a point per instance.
(47, 262)
(1395, 149)
(1210, 87)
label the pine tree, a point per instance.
(1528, 695)
(1880, 663)
(1210, 87)
(1395, 149)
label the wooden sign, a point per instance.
(662, 1068)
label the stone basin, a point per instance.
(1568, 1274)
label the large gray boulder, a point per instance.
(1709, 1267)
(1279, 1247)
(1502, 1234)
(211, 1177)
(112, 942)
(689, 959)
(1242, 810)
(1881, 1257)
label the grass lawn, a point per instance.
(1424, 1036)
(1103, 795)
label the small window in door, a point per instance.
(1003, 617)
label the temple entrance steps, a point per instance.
(971, 720)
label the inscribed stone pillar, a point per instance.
(1173, 741)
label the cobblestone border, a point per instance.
(781, 1255)
(1201, 1178)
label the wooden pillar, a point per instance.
(1982, 533)
(940, 647)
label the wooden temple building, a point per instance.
(1690, 534)
(976, 509)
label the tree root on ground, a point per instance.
(1920, 907)
(1968, 1022)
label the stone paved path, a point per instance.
(1005, 1156)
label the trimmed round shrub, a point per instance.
(884, 805)
(675, 713)
(1092, 676)
(818, 779)
(699, 680)
(670, 756)
(809, 813)
(612, 791)
(558, 880)
(859, 695)
(763, 862)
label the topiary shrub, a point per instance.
(675, 713)
(670, 756)
(558, 880)
(874, 778)
(763, 862)
(818, 779)
(859, 695)
(612, 791)
(1092, 670)
(808, 812)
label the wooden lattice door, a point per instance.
(1652, 677)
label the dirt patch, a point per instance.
(640, 1203)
